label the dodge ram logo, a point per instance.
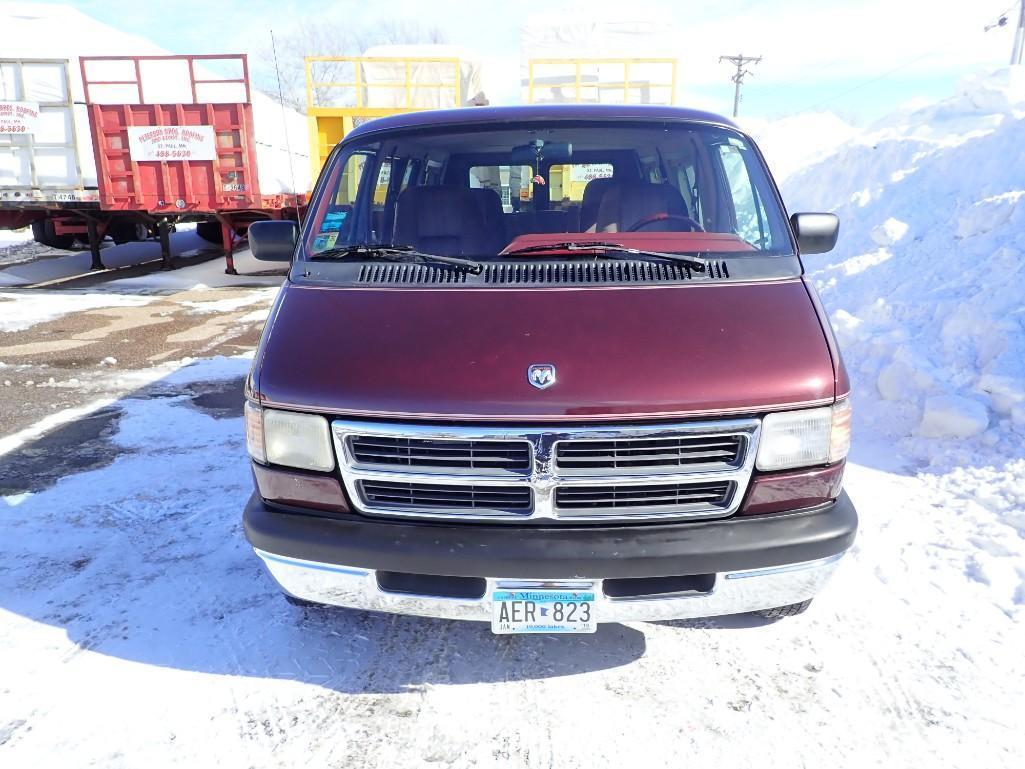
(541, 375)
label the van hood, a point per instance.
(618, 353)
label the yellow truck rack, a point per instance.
(576, 81)
(350, 97)
(562, 80)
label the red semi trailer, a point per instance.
(174, 141)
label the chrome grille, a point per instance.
(650, 454)
(632, 499)
(451, 455)
(595, 473)
(443, 497)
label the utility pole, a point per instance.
(740, 61)
(1019, 35)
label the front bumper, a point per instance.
(732, 592)
(758, 562)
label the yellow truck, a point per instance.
(343, 92)
(596, 81)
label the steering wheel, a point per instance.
(640, 224)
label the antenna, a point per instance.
(284, 124)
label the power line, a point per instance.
(876, 79)
(739, 61)
(1000, 21)
(1016, 57)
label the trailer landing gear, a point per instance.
(163, 232)
(94, 245)
(228, 242)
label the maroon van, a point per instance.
(546, 367)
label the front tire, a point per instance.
(790, 610)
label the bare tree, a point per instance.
(319, 38)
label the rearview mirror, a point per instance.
(816, 233)
(539, 151)
(273, 240)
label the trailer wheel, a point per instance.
(127, 232)
(209, 231)
(779, 612)
(42, 232)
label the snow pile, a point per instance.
(796, 142)
(925, 288)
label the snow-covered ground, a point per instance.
(137, 629)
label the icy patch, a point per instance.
(951, 416)
(19, 311)
(232, 303)
(256, 316)
(171, 373)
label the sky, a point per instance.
(857, 58)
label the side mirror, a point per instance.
(273, 240)
(816, 233)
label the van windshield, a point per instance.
(489, 191)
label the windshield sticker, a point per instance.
(333, 221)
(324, 242)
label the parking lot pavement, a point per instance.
(62, 350)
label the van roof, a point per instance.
(469, 115)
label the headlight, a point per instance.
(803, 438)
(288, 438)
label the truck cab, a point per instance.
(549, 367)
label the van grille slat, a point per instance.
(652, 453)
(411, 453)
(443, 498)
(540, 273)
(613, 498)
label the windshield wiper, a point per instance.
(611, 250)
(396, 253)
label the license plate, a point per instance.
(543, 611)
